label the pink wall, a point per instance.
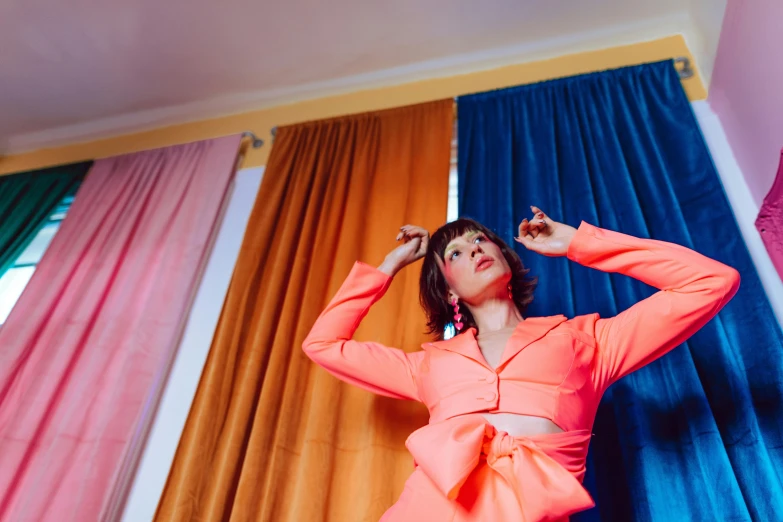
(747, 88)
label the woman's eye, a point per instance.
(479, 239)
(454, 254)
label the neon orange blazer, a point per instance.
(552, 367)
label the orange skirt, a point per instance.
(519, 479)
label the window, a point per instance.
(451, 215)
(452, 212)
(13, 282)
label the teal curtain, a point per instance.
(26, 202)
(698, 434)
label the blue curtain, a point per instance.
(698, 434)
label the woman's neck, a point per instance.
(495, 314)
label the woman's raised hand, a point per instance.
(545, 236)
(414, 246)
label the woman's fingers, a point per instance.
(408, 232)
(524, 228)
(531, 228)
(413, 228)
(538, 212)
(526, 240)
(540, 220)
(534, 245)
(418, 237)
(534, 227)
(527, 230)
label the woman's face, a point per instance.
(475, 268)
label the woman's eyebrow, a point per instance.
(467, 236)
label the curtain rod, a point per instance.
(256, 142)
(685, 71)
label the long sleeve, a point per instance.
(693, 289)
(371, 366)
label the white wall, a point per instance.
(192, 354)
(707, 20)
(745, 91)
(742, 202)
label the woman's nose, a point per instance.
(476, 250)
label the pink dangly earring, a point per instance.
(457, 316)
(510, 293)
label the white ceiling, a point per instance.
(76, 69)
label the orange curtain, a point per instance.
(270, 436)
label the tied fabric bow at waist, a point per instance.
(448, 451)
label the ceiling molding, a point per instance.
(451, 66)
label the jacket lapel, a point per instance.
(464, 344)
(527, 332)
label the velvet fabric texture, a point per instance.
(271, 437)
(697, 434)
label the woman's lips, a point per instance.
(484, 263)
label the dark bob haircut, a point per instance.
(433, 290)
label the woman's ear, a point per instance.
(452, 296)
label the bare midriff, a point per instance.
(518, 425)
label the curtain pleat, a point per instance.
(85, 353)
(271, 437)
(698, 434)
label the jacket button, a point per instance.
(490, 378)
(490, 396)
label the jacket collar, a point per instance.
(527, 332)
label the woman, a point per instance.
(511, 398)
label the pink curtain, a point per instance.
(86, 351)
